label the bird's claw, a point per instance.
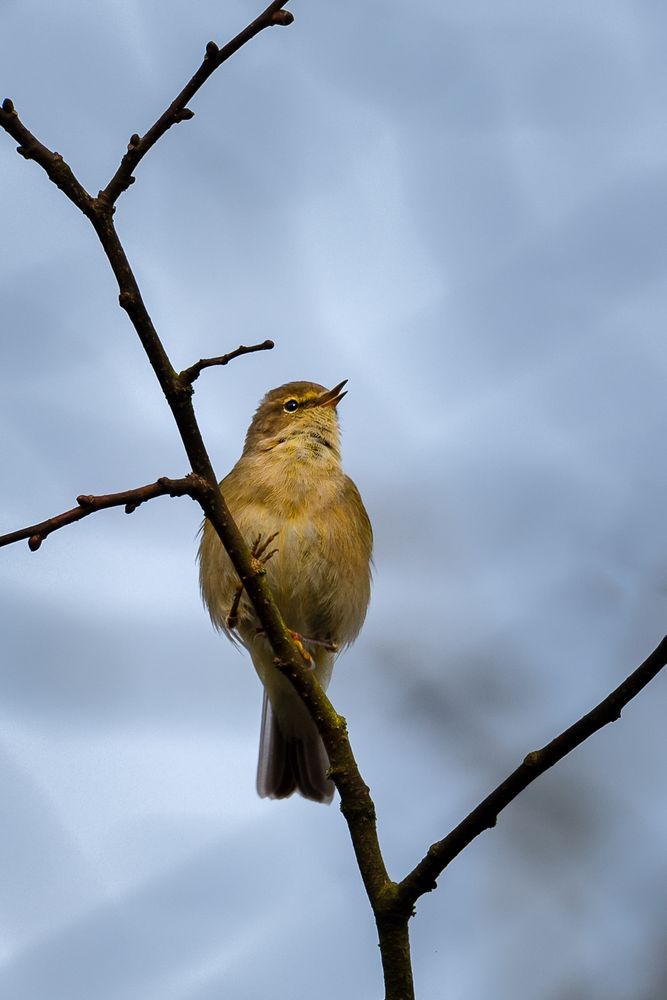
(258, 553)
(298, 641)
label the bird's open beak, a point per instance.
(333, 396)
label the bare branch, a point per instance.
(178, 111)
(422, 878)
(59, 171)
(32, 149)
(189, 375)
(130, 499)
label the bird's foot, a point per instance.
(258, 553)
(259, 547)
(298, 641)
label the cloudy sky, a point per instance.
(461, 208)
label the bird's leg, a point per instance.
(300, 641)
(258, 551)
(329, 644)
(233, 616)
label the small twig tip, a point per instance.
(282, 18)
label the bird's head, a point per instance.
(298, 413)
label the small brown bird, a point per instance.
(304, 518)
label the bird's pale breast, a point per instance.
(319, 573)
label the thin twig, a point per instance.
(189, 375)
(178, 111)
(130, 499)
(422, 878)
(30, 148)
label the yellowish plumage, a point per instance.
(289, 482)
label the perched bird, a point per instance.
(304, 518)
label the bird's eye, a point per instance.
(291, 405)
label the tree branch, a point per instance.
(52, 163)
(130, 499)
(422, 878)
(177, 111)
(60, 173)
(189, 375)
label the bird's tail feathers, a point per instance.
(294, 763)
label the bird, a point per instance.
(304, 518)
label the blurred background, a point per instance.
(460, 208)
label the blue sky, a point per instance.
(461, 209)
